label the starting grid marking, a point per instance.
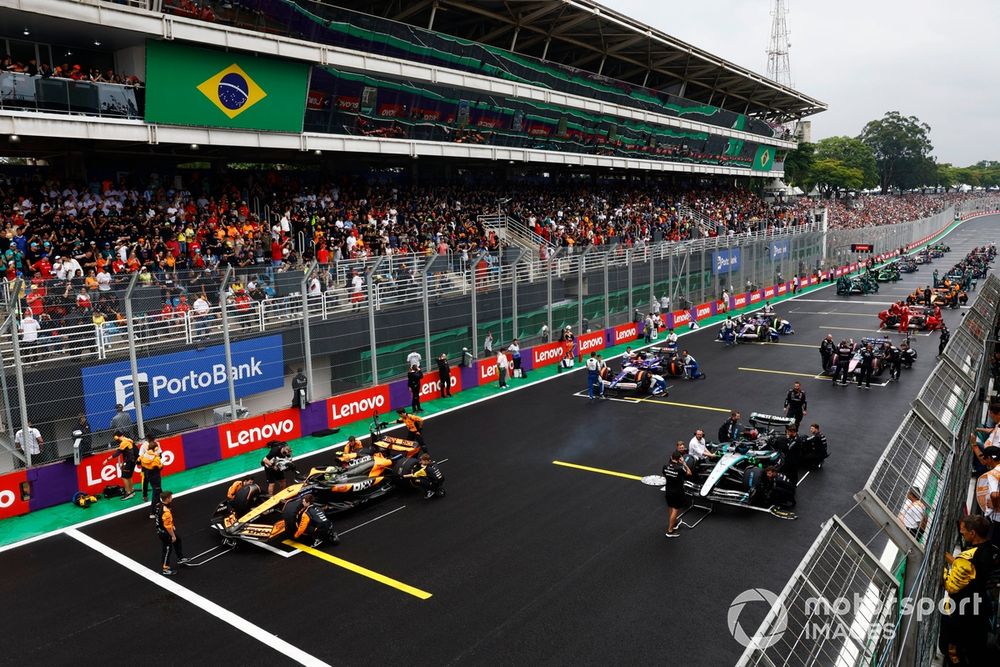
(885, 332)
(758, 342)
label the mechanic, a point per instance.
(243, 494)
(414, 427)
(691, 371)
(593, 376)
(170, 540)
(352, 450)
(795, 403)
(943, 341)
(908, 355)
(413, 378)
(671, 340)
(866, 366)
(816, 449)
(768, 309)
(728, 332)
(675, 472)
(730, 429)
(826, 351)
(274, 466)
(428, 476)
(299, 384)
(127, 455)
(791, 447)
(778, 489)
(381, 463)
(151, 462)
(894, 357)
(699, 447)
(965, 626)
(312, 522)
(904, 319)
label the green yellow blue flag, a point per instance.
(764, 158)
(188, 85)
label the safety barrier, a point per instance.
(925, 465)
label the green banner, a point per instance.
(187, 85)
(764, 158)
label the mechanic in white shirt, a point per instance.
(698, 447)
(29, 328)
(34, 440)
(503, 366)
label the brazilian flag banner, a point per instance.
(764, 158)
(188, 85)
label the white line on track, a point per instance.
(238, 622)
(275, 550)
(381, 516)
(885, 332)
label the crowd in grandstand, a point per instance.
(76, 245)
(75, 72)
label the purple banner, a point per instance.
(470, 377)
(399, 395)
(201, 447)
(52, 484)
(314, 418)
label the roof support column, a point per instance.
(513, 41)
(545, 51)
(434, 11)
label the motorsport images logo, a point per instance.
(736, 608)
(232, 91)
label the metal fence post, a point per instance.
(22, 401)
(628, 265)
(473, 264)
(581, 266)
(607, 294)
(132, 360)
(306, 334)
(8, 416)
(513, 293)
(652, 281)
(369, 274)
(230, 382)
(425, 281)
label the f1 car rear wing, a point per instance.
(758, 419)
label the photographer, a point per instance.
(277, 461)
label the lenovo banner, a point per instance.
(11, 503)
(740, 300)
(782, 288)
(625, 333)
(249, 434)
(681, 317)
(357, 405)
(548, 354)
(702, 311)
(183, 381)
(587, 343)
(813, 280)
(754, 297)
(95, 471)
(769, 292)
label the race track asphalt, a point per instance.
(527, 562)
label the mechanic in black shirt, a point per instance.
(413, 378)
(791, 447)
(243, 494)
(730, 429)
(445, 374)
(945, 337)
(815, 450)
(428, 477)
(274, 465)
(866, 366)
(675, 472)
(313, 523)
(844, 353)
(826, 351)
(907, 354)
(893, 356)
(795, 403)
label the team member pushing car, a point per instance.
(313, 523)
(414, 427)
(428, 477)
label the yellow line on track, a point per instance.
(676, 405)
(363, 571)
(814, 376)
(598, 470)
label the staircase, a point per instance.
(705, 226)
(514, 232)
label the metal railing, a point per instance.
(38, 93)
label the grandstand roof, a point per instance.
(593, 38)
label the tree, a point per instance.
(947, 176)
(852, 153)
(900, 144)
(798, 164)
(830, 175)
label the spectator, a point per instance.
(488, 345)
(444, 372)
(122, 422)
(913, 516)
(503, 367)
(413, 359)
(30, 445)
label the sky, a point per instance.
(938, 61)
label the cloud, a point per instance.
(864, 58)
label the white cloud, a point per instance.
(937, 61)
